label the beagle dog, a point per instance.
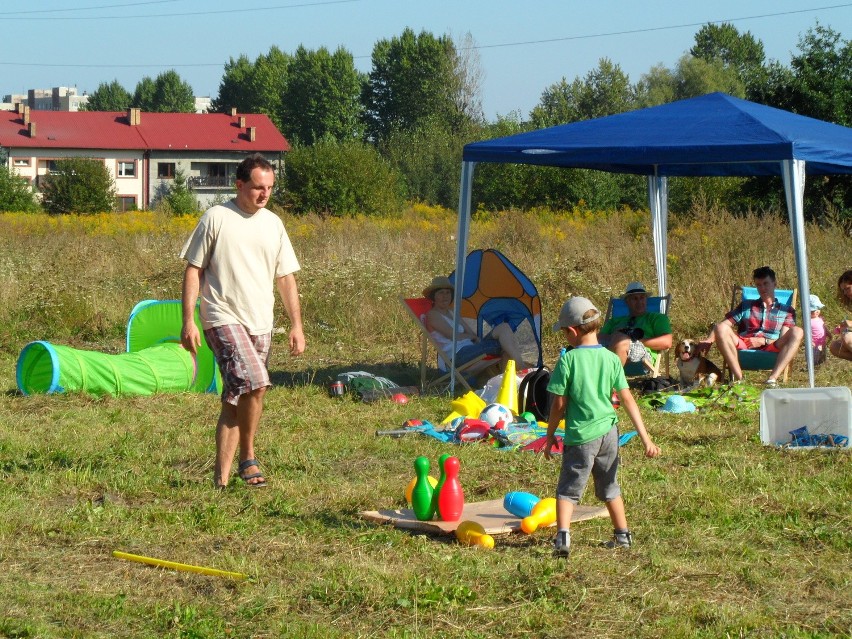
(693, 367)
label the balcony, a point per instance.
(210, 182)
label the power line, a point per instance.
(665, 28)
(483, 46)
(103, 6)
(193, 14)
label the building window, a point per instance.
(47, 165)
(166, 170)
(126, 168)
(21, 162)
(125, 203)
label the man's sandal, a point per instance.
(247, 478)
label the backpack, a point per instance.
(532, 393)
(361, 382)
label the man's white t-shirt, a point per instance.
(241, 255)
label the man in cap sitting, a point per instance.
(640, 335)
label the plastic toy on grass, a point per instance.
(410, 488)
(508, 393)
(421, 495)
(451, 495)
(520, 504)
(543, 514)
(495, 413)
(472, 533)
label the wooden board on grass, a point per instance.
(490, 514)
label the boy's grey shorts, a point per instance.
(598, 457)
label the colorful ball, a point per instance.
(496, 413)
(410, 488)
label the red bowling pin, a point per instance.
(451, 497)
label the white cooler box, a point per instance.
(822, 412)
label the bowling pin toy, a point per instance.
(543, 514)
(451, 497)
(441, 478)
(520, 504)
(471, 533)
(421, 496)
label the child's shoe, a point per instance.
(562, 543)
(620, 539)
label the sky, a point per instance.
(523, 46)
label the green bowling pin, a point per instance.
(421, 496)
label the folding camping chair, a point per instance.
(752, 359)
(618, 308)
(417, 307)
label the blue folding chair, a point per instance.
(754, 359)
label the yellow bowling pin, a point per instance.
(471, 533)
(543, 514)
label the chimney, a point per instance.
(252, 133)
(26, 115)
(19, 107)
(134, 116)
(242, 121)
(32, 129)
(233, 112)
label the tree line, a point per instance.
(366, 142)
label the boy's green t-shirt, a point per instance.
(586, 376)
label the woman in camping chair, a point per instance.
(440, 320)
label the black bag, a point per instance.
(532, 394)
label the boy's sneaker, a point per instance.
(620, 540)
(562, 543)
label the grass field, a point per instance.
(734, 539)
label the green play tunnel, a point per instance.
(49, 368)
(155, 362)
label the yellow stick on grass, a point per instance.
(162, 563)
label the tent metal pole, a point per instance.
(461, 252)
(658, 202)
(793, 173)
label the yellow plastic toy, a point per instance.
(471, 533)
(543, 514)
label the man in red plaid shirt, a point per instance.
(763, 324)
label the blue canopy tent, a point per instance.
(711, 135)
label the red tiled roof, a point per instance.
(156, 131)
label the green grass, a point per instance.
(734, 539)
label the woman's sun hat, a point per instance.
(438, 282)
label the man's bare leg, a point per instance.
(726, 342)
(788, 345)
(237, 426)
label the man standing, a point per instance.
(640, 335)
(763, 324)
(233, 257)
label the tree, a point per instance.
(179, 198)
(322, 97)
(822, 83)
(605, 90)
(143, 95)
(723, 42)
(167, 94)
(109, 97)
(254, 87)
(78, 185)
(172, 94)
(15, 192)
(413, 80)
(341, 178)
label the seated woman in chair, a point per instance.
(440, 320)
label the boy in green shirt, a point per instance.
(583, 382)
